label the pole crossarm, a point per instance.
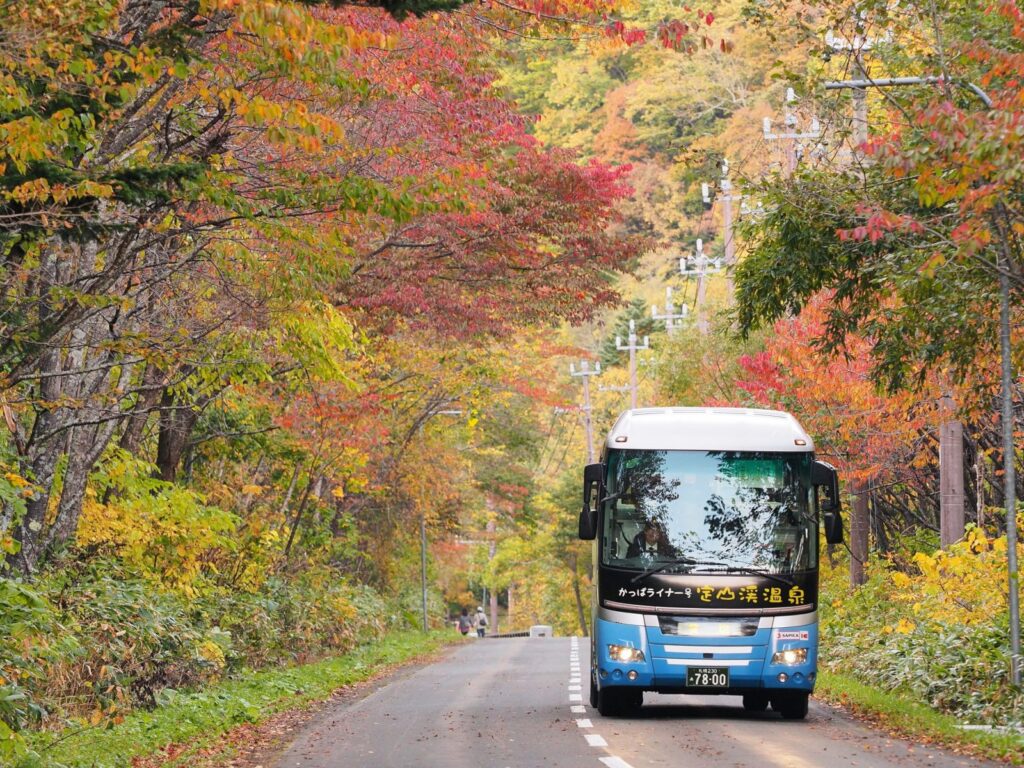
(673, 319)
(790, 121)
(896, 82)
(702, 264)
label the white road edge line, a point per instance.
(615, 762)
(594, 740)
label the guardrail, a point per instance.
(537, 630)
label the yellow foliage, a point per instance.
(960, 585)
(168, 537)
(16, 480)
(900, 579)
(905, 626)
(212, 654)
(926, 564)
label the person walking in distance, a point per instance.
(480, 621)
(465, 623)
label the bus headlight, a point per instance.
(625, 653)
(791, 656)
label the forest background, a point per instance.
(283, 282)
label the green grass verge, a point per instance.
(198, 718)
(916, 720)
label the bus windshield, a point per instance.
(702, 511)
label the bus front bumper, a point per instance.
(661, 664)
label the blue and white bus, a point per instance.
(705, 526)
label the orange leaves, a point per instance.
(40, 191)
(865, 431)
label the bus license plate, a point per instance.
(707, 677)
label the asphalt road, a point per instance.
(521, 703)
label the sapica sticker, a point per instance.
(793, 635)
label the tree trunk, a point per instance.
(176, 425)
(86, 448)
(580, 612)
(149, 396)
(43, 454)
(75, 374)
(859, 527)
(298, 515)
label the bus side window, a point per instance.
(629, 530)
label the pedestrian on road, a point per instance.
(465, 623)
(480, 621)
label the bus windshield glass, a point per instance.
(708, 511)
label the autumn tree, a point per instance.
(218, 205)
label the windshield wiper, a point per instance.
(668, 564)
(751, 572)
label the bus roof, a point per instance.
(709, 429)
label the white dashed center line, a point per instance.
(575, 684)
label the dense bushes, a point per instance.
(935, 626)
(92, 641)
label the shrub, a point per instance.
(938, 630)
(91, 640)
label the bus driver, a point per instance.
(651, 541)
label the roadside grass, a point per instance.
(197, 718)
(913, 719)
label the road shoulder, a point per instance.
(259, 744)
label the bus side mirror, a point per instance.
(593, 489)
(825, 478)
(833, 527)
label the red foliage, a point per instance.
(767, 382)
(511, 232)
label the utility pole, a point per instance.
(856, 46)
(700, 267)
(585, 372)
(633, 348)
(951, 475)
(673, 319)
(1006, 369)
(727, 197)
(423, 526)
(492, 550)
(791, 132)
